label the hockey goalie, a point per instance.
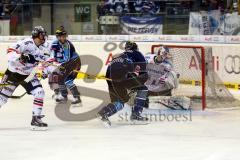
(163, 80)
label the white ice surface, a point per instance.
(211, 135)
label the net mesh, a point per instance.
(198, 80)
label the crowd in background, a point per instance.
(120, 7)
(110, 7)
(176, 14)
(147, 7)
(6, 8)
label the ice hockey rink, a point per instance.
(206, 135)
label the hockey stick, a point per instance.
(18, 97)
(88, 76)
(33, 73)
(162, 103)
(174, 104)
(14, 97)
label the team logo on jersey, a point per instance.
(232, 64)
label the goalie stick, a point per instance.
(171, 102)
(162, 103)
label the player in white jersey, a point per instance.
(23, 57)
(162, 77)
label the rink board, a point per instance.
(97, 51)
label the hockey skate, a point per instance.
(76, 101)
(104, 119)
(37, 124)
(55, 96)
(137, 119)
(61, 99)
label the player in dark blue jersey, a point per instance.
(64, 53)
(127, 73)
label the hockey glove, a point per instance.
(27, 58)
(162, 80)
(131, 75)
(44, 75)
(135, 73)
(62, 70)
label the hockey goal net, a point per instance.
(198, 79)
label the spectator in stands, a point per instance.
(103, 8)
(213, 5)
(150, 8)
(118, 6)
(138, 4)
(234, 6)
(1, 8)
(7, 7)
(146, 7)
(216, 5)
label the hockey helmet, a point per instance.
(37, 31)
(61, 31)
(130, 45)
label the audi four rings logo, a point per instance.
(232, 64)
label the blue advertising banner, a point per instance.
(141, 25)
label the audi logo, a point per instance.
(232, 64)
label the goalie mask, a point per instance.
(164, 52)
(163, 55)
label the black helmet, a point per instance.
(130, 45)
(61, 31)
(37, 31)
